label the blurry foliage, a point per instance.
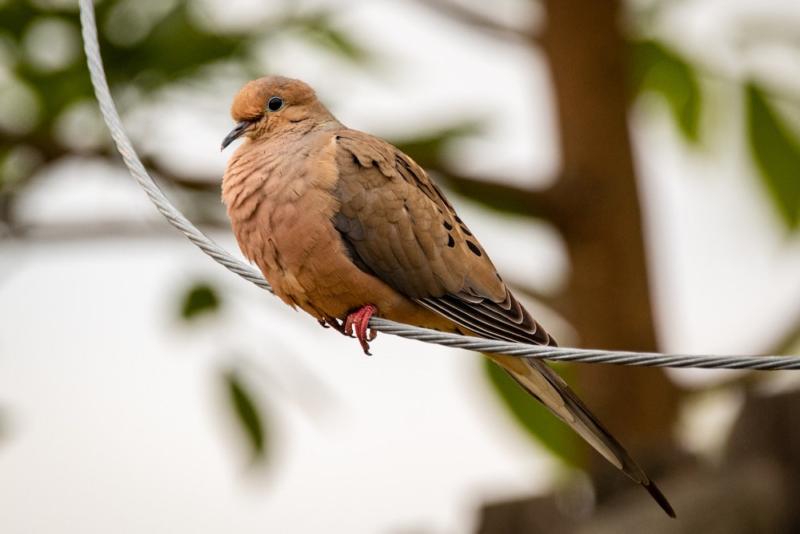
(429, 149)
(776, 152)
(537, 420)
(200, 299)
(140, 51)
(657, 68)
(775, 149)
(247, 414)
(146, 46)
(319, 28)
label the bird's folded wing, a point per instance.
(397, 225)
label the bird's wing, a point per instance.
(397, 225)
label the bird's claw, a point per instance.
(332, 322)
(358, 322)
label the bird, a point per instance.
(345, 226)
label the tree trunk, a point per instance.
(608, 292)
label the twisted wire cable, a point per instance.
(134, 164)
(221, 256)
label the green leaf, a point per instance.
(534, 418)
(200, 299)
(247, 414)
(428, 149)
(657, 68)
(776, 152)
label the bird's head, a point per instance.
(273, 105)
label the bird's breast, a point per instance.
(280, 204)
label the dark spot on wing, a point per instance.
(474, 248)
(450, 241)
(465, 230)
(447, 225)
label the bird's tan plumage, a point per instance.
(338, 219)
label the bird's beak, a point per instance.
(235, 134)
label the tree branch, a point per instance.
(502, 197)
(466, 15)
(51, 152)
(108, 229)
(204, 184)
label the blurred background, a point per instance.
(632, 167)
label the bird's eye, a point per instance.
(275, 103)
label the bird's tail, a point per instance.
(550, 389)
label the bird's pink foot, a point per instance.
(359, 321)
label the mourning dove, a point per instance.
(345, 226)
